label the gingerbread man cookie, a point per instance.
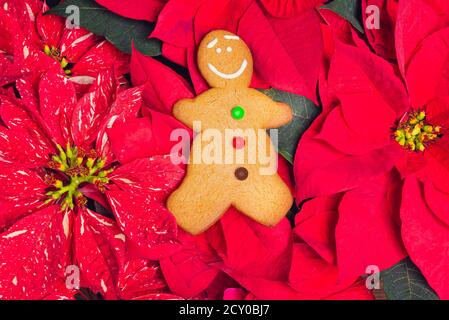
(239, 115)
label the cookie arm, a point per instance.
(276, 114)
(184, 111)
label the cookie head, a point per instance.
(225, 60)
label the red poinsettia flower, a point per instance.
(33, 42)
(286, 44)
(55, 159)
(385, 148)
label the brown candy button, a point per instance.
(241, 173)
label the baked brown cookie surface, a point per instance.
(232, 161)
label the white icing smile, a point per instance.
(233, 75)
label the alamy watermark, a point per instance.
(73, 19)
(372, 281)
(372, 20)
(228, 146)
(72, 274)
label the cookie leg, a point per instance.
(266, 200)
(198, 203)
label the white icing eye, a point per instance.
(218, 50)
(228, 49)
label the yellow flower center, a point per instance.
(56, 55)
(71, 169)
(414, 133)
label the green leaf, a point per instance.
(404, 281)
(304, 112)
(347, 9)
(119, 31)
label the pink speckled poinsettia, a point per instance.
(56, 158)
(376, 160)
(33, 42)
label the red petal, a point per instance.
(91, 109)
(295, 44)
(29, 93)
(236, 294)
(24, 13)
(147, 224)
(99, 250)
(14, 210)
(50, 27)
(125, 107)
(221, 15)
(33, 62)
(338, 134)
(265, 253)
(438, 112)
(18, 183)
(139, 278)
(335, 172)
(409, 163)
(61, 292)
(189, 271)
(437, 201)
(283, 9)
(425, 237)
(144, 137)
(25, 130)
(357, 291)
(8, 70)
(199, 83)
(314, 277)
(175, 54)
(9, 36)
(163, 87)
(286, 173)
(132, 140)
(368, 228)
(135, 9)
(415, 20)
(57, 99)
(16, 146)
(427, 72)
(156, 175)
(316, 225)
(76, 42)
(263, 289)
(437, 169)
(35, 254)
(357, 75)
(175, 23)
(159, 296)
(161, 95)
(13, 116)
(100, 57)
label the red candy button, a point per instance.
(238, 142)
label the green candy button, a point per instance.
(238, 113)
